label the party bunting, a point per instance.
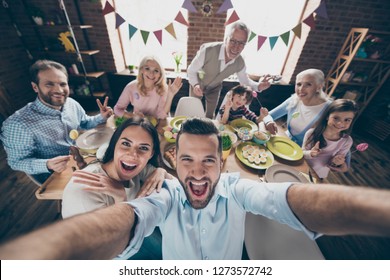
(273, 40)
(227, 4)
(158, 35)
(171, 30)
(132, 30)
(145, 35)
(260, 41)
(253, 35)
(298, 30)
(285, 37)
(233, 17)
(180, 18)
(321, 10)
(118, 20)
(310, 21)
(189, 6)
(108, 8)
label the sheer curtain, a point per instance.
(152, 15)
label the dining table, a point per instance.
(53, 187)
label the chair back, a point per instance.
(190, 107)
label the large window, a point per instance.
(151, 16)
(268, 19)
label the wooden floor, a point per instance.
(21, 212)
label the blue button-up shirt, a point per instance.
(37, 132)
(217, 231)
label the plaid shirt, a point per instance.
(36, 133)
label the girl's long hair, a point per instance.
(161, 84)
(338, 105)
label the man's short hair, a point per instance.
(199, 126)
(239, 25)
(42, 65)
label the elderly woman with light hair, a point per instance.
(304, 107)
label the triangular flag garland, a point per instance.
(180, 18)
(189, 6)
(158, 35)
(145, 35)
(321, 10)
(118, 20)
(285, 37)
(171, 30)
(253, 35)
(108, 8)
(272, 41)
(227, 4)
(260, 41)
(233, 17)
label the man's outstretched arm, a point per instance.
(341, 210)
(101, 234)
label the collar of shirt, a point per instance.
(40, 107)
(221, 57)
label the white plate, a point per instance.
(278, 173)
(94, 138)
(101, 151)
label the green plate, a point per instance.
(238, 123)
(177, 121)
(285, 148)
(270, 157)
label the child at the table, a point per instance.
(326, 145)
(235, 107)
(149, 94)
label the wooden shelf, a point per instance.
(93, 75)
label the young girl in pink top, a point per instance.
(149, 94)
(326, 145)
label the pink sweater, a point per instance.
(319, 163)
(150, 105)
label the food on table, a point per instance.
(260, 135)
(170, 156)
(75, 152)
(73, 134)
(119, 121)
(170, 134)
(254, 154)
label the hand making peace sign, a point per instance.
(105, 111)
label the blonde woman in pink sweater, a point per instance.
(149, 94)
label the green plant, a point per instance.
(226, 142)
(119, 121)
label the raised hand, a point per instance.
(100, 183)
(315, 151)
(105, 110)
(174, 87)
(58, 164)
(265, 82)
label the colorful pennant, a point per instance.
(253, 35)
(285, 37)
(226, 5)
(233, 17)
(132, 30)
(145, 35)
(321, 10)
(310, 21)
(180, 18)
(158, 35)
(189, 6)
(298, 30)
(260, 41)
(272, 41)
(118, 20)
(171, 30)
(108, 8)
